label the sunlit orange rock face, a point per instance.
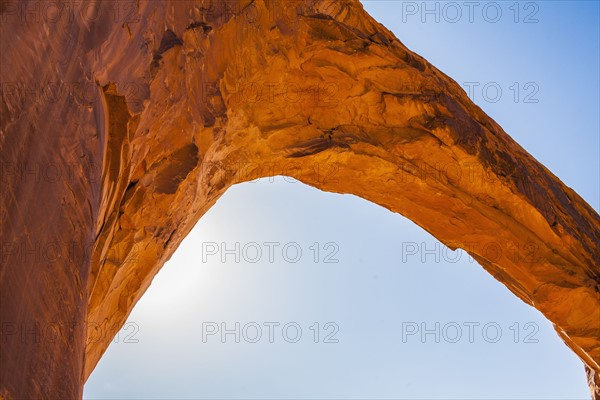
(123, 122)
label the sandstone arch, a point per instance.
(140, 121)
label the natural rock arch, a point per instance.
(181, 99)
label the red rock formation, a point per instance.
(123, 122)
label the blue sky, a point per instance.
(365, 305)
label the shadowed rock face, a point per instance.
(123, 122)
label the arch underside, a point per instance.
(197, 96)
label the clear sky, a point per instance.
(371, 307)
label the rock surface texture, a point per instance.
(122, 122)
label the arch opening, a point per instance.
(369, 294)
(146, 163)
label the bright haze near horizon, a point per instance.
(363, 303)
